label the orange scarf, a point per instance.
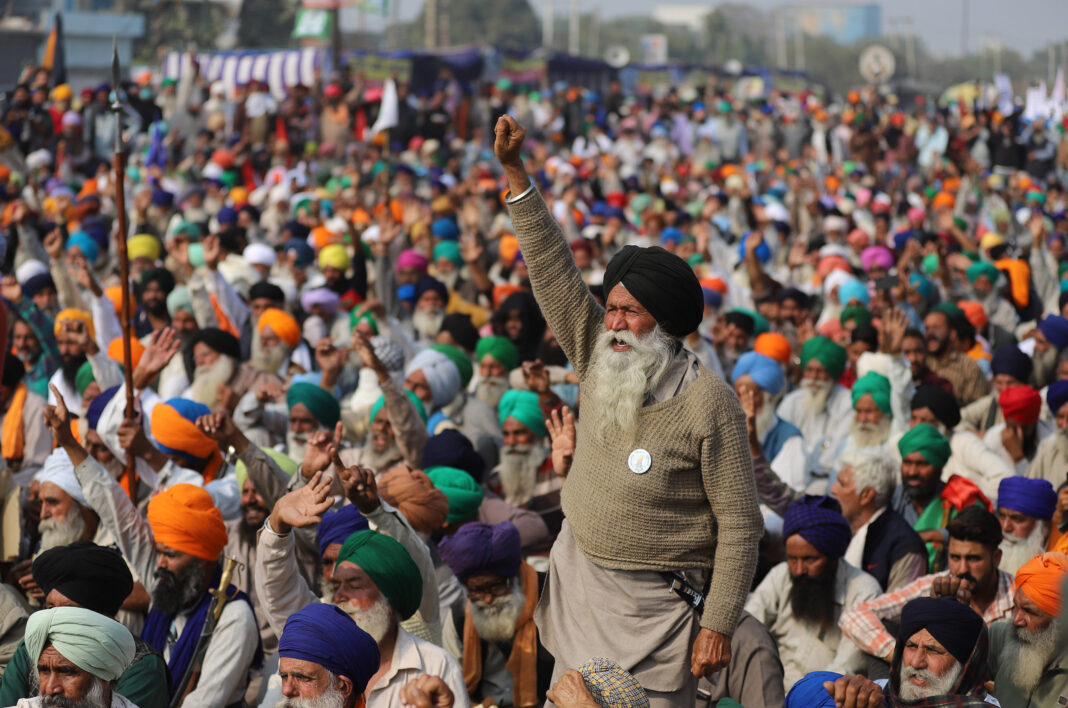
(522, 663)
(12, 436)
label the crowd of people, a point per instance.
(537, 396)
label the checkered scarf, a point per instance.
(611, 686)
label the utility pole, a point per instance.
(964, 27)
(444, 36)
(547, 19)
(595, 31)
(335, 34)
(910, 49)
(430, 26)
(573, 39)
(799, 45)
(1052, 53)
(780, 37)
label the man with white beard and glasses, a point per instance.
(496, 356)
(1051, 459)
(1025, 510)
(661, 486)
(495, 637)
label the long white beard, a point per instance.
(491, 390)
(269, 359)
(428, 322)
(816, 394)
(207, 379)
(296, 445)
(936, 685)
(332, 697)
(870, 434)
(1016, 551)
(449, 278)
(62, 533)
(764, 418)
(1029, 653)
(622, 379)
(495, 621)
(518, 472)
(375, 620)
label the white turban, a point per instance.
(29, 269)
(89, 640)
(260, 254)
(441, 375)
(59, 470)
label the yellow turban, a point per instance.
(283, 325)
(72, 314)
(143, 246)
(334, 256)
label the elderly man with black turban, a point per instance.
(96, 578)
(661, 488)
(801, 599)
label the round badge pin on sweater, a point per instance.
(640, 461)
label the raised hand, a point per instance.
(509, 135)
(317, 453)
(79, 333)
(536, 376)
(212, 251)
(329, 357)
(161, 348)
(53, 245)
(359, 484)
(10, 289)
(57, 417)
(220, 427)
(470, 249)
(894, 325)
(302, 507)
(561, 427)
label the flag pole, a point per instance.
(129, 475)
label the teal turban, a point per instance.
(179, 299)
(500, 348)
(926, 440)
(286, 464)
(461, 489)
(982, 268)
(319, 402)
(94, 643)
(826, 352)
(84, 377)
(419, 407)
(524, 407)
(458, 357)
(390, 567)
(877, 386)
(449, 250)
(858, 313)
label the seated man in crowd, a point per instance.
(1016, 440)
(1025, 509)
(1051, 458)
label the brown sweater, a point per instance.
(696, 507)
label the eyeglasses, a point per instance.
(493, 590)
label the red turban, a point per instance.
(1040, 579)
(185, 518)
(1020, 404)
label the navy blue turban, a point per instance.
(1057, 395)
(483, 548)
(337, 526)
(1033, 497)
(1010, 360)
(97, 406)
(663, 283)
(954, 625)
(451, 448)
(810, 693)
(325, 635)
(819, 520)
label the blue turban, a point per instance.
(1057, 395)
(765, 371)
(429, 283)
(809, 691)
(923, 286)
(305, 253)
(853, 289)
(227, 215)
(713, 298)
(819, 520)
(85, 244)
(190, 410)
(162, 198)
(445, 229)
(954, 625)
(1055, 329)
(96, 407)
(325, 635)
(338, 525)
(37, 283)
(1032, 497)
(483, 548)
(451, 448)
(1010, 360)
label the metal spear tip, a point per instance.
(115, 73)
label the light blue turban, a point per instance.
(765, 371)
(89, 640)
(853, 289)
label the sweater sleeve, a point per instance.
(565, 300)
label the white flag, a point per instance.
(1005, 97)
(388, 110)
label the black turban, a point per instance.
(941, 402)
(954, 625)
(794, 294)
(451, 448)
(1010, 360)
(268, 291)
(95, 577)
(663, 283)
(740, 320)
(429, 283)
(462, 331)
(162, 276)
(220, 341)
(13, 372)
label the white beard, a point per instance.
(62, 533)
(518, 472)
(816, 394)
(1016, 551)
(270, 360)
(870, 434)
(491, 389)
(495, 621)
(296, 445)
(1045, 368)
(764, 418)
(427, 323)
(207, 379)
(330, 698)
(936, 685)
(379, 461)
(1060, 439)
(450, 278)
(1029, 653)
(622, 379)
(376, 620)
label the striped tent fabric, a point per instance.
(280, 70)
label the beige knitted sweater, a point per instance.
(696, 507)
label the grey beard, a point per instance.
(375, 620)
(380, 461)
(56, 533)
(491, 389)
(329, 698)
(1029, 653)
(936, 685)
(1016, 551)
(296, 445)
(1045, 368)
(207, 379)
(621, 380)
(870, 434)
(518, 472)
(428, 322)
(450, 278)
(269, 360)
(495, 621)
(94, 697)
(764, 418)
(816, 395)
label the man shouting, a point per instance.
(661, 488)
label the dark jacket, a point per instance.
(890, 538)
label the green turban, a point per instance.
(760, 323)
(524, 407)
(826, 352)
(950, 309)
(461, 489)
(456, 356)
(500, 348)
(94, 643)
(449, 250)
(982, 268)
(419, 407)
(319, 402)
(390, 567)
(367, 317)
(84, 377)
(876, 385)
(178, 300)
(857, 313)
(286, 464)
(926, 440)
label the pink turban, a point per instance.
(412, 259)
(858, 238)
(876, 256)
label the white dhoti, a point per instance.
(629, 616)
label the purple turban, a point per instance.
(819, 520)
(876, 256)
(451, 448)
(482, 548)
(337, 526)
(323, 297)
(1031, 497)
(325, 635)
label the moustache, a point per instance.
(165, 577)
(969, 577)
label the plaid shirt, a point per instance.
(864, 622)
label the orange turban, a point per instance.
(716, 284)
(1040, 579)
(943, 200)
(773, 345)
(283, 325)
(176, 433)
(184, 518)
(508, 247)
(414, 495)
(136, 350)
(1019, 279)
(323, 237)
(114, 294)
(974, 313)
(72, 314)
